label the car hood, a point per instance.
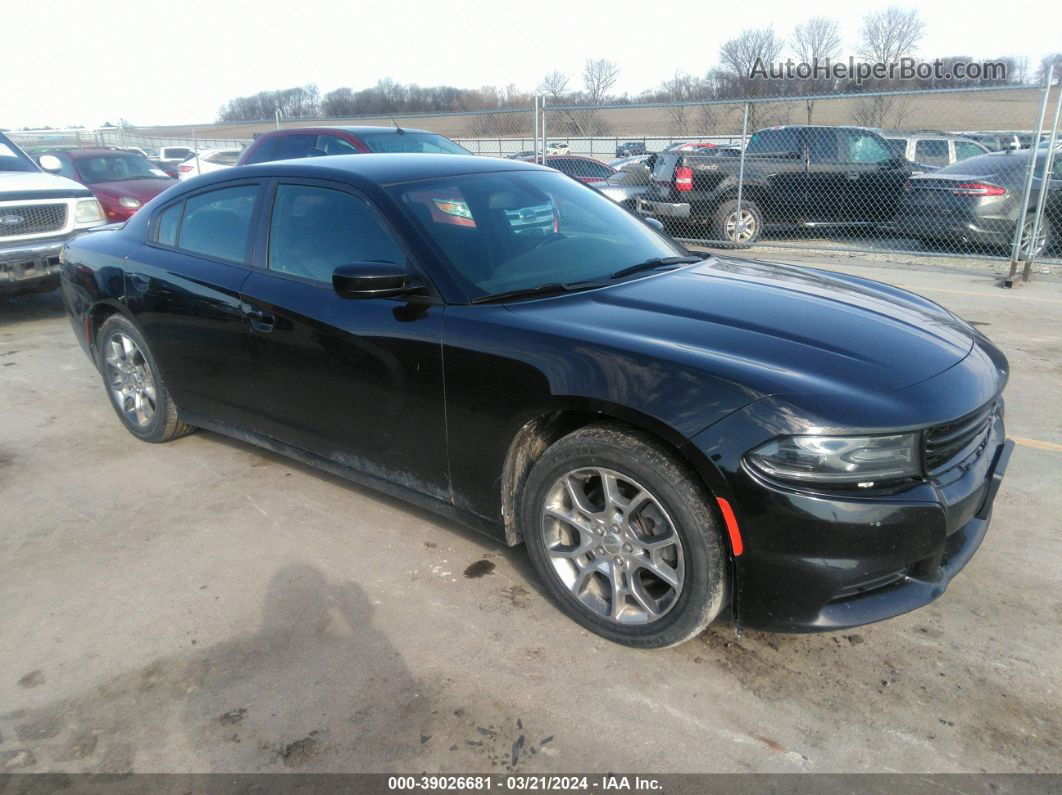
(771, 328)
(26, 182)
(143, 189)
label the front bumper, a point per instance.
(663, 209)
(30, 266)
(813, 563)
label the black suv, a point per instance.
(794, 175)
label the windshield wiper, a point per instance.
(541, 289)
(652, 264)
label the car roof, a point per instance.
(386, 168)
(353, 129)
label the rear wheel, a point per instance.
(134, 385)
(1044, 237)
(622, 537)
(738, 229)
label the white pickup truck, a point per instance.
(39, 212)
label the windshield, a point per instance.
(116, 167)
(412, 142)
(518, 230)
(12, 159)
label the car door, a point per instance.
(873, 177)
(774, 158)
(183, 289)
(354, 381)
(825, 178)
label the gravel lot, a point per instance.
(205, 606)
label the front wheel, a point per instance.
(622, 537)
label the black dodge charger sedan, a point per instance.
(671, 436)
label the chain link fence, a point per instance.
(953, 173)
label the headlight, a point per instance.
(130, 202)
(87, 210)
(835, 460)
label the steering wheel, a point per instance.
(552, 237)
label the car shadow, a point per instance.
(314, 687)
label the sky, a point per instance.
(160, 63)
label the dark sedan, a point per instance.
(297, 142)
(977, 202)
(670, 436)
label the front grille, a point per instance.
(956, 441)
(31, 219)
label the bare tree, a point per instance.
(599, 76)
(889, 35)
(1045, 64)
(736, 59)
(886, 37)
(814, 42)
(555, 86)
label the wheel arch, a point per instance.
(536, 435)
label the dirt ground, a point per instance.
(205, 606)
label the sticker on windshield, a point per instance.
(158, 172)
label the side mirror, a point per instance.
(371, 280)
(655, 223)
(50, 163)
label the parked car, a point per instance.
(557, 148)
(121, 180)
(174, 154)
(525, 154)
(167, 168)
(147, 151)
(299, 142)
(621, 162)
(793, 175)
(584, 169)
(39, 212)
(931, 150)
(669, 436)
(689, 146)
(978, 201)
(626, 186)
(631, 149)
(206, 161)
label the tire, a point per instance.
(580, 567)
(144, 404)
(724, 218)
(1046, 236)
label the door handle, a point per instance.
(260, 321)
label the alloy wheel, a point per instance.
(1041, 239)
(613, 546)
(130, 379)
(740, 232)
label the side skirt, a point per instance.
(495, 530)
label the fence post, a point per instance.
(535, 144)
(1044, 182)
(739, 224)
(1019, 227)
(545, 143)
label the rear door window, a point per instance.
(334, 145)
(314, 230)
(822, 145)
(217, 224)
(932, 151)
(293, 147)
(775, 143)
